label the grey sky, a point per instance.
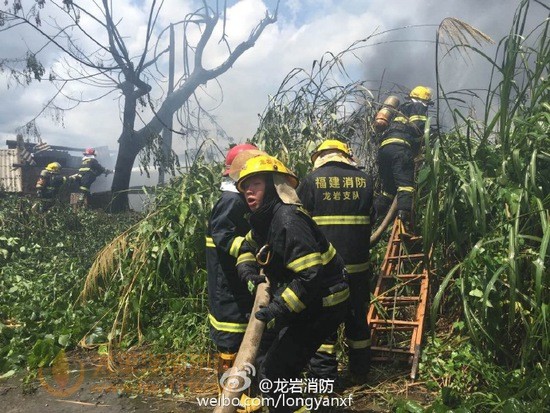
(304, 31)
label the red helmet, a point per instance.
(233, 152)
(89, 151)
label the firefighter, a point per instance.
(399, 145)
(48, 185)
(88, 172)
(339, 197)
(307, 276)
(229, 300)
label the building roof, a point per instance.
(11, 178)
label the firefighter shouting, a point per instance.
(307, 276)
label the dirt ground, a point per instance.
(82, 383)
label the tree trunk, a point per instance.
(127, 153)
(131, 142)
(128, 149)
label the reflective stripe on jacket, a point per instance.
(301, 260)
(339, 197)
(90, 165)
(407, 128)
(229, 300)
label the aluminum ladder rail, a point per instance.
(398, 307)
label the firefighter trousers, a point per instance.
(324, 363)
(291, 350)
(396, 170)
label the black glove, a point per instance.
(256, 279)
(253, 280)
(266, 314)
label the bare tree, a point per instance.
(112, 65)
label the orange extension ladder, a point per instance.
(396, 313)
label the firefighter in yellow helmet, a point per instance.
(339, 197)
(399, 145)
(48, 185)
(307, 276)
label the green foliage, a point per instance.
(468, 381)
(483, 203)
(156, 268)
(500, 254)
(485, 188)
(43, 260)
(34, 68)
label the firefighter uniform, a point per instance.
(48, 184)
(89, 170)
(399, 145)
(307, 277)
(339, 197)
(229, 300)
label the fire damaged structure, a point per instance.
(22, 162)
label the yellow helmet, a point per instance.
(421, 92)
(331, 144)
(265, 164)
(53, 167)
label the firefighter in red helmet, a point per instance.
(89, 170)
(229, 300)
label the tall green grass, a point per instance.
(486, 187)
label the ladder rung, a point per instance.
(382, 330)
(406, 257)
(400, 332)
(405, 276)
(395, 322)
(391, 350)
(398, 300)
(411, 239)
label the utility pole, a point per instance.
(167, 131)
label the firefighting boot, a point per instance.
(359, 364)
(225, 362)
(405, 230)
(249, 404)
